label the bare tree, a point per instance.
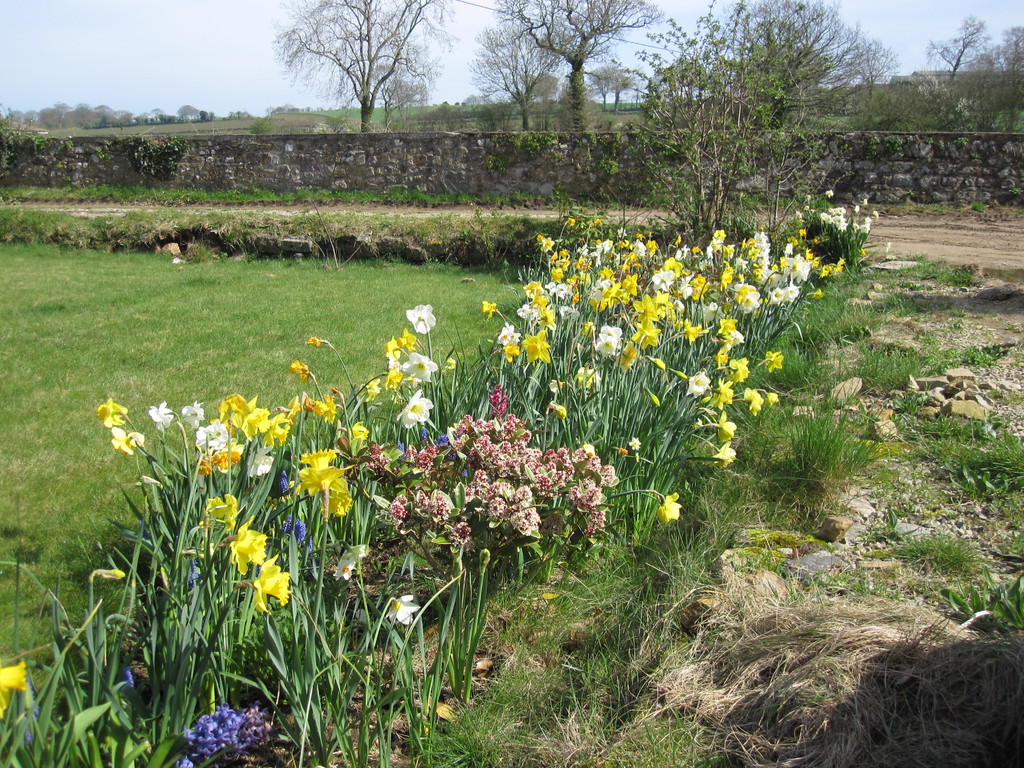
(959, 51)
(578, 31)
(358, 45)
(188, 112)
(611, 79)
(405, 89)
(874, 63)
(810, 49)
(510, 65)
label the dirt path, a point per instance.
(992, 242)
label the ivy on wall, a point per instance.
(156, 158)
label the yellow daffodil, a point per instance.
(248, 548)
(723, 395)
(547, 319)
(277, 429)
(394, 379)
(510, 351)
(629, 355)
(488, 308)
(111, 414)
(359, 431)
(339, 498)
(773, 361)
(319, 474)
(272, 582)
(326, 409)
(12, 678)
(224, 509)
(537, 347)
(313, 341)
(739, 370)
(726, 428)
(755, 399)
(256, 422)
(300, 369)
(237, 407)
(692, 332)
(646, 335)
(126, 442)
(669, 509)
(771, 398)
(227, 457)
(700, 285)
(372, 390)
(726, 455)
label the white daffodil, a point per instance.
(213, 437)
(422, 318)
(162, 415)
(416, 411)
(608, 341)
(193, 414)
(508, 335)
(262, 462)
(348, 562)
(699, 384)
(402, 609)
(419, 366)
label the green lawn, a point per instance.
(79, 326)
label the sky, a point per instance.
(218, 55)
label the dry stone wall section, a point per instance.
(886, 168)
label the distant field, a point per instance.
(330, 121)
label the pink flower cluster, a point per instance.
(508, 488)
(510, 479)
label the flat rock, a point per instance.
(911, 530)
(807, 567)
(885, 431)
(171, 248)
(960, 373)
(692, 614)
(845, 390)
(833, 528)
(965, 409)
(860, 506)
(895, 264)
(927, 383)
(767, 583)
(928, 412)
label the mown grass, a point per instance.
(78, 327)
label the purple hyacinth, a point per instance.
(227, 732)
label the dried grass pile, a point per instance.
(854, 683)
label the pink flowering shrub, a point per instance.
(483, 486)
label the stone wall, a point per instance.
(886, 168)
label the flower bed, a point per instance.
(320, 569)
